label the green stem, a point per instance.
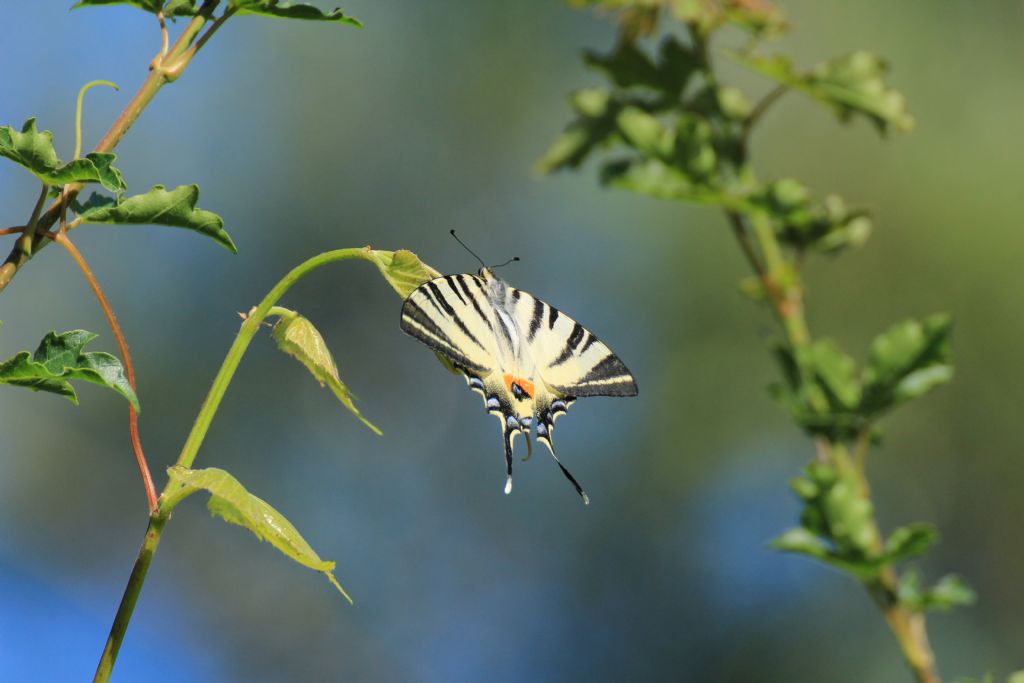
(786, 294)
(172, 495)
(245, 335)
(159, 75)
(130, 597)
(78, 112)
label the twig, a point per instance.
(133, 416)
(759, 110)
(156, 79)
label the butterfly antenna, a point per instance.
(511, 260)
(467, 248)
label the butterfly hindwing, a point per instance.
(571, 360)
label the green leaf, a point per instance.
(58, 360)
(287, 10)
(172, 8)
(835, 371)
(629, 67)
(907, 361)
(837, 523)
(950, 591)
(645, 133)
(403, 270)
(175, 208)
(828, 227)
(34, 150)
(231, 502)
(297, 337)
(762, 19)
(1016, 677)
(821, 390)
(851, 85)
(911, 541)
(657, 179)
(595, 126)
(802, 542)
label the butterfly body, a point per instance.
(528, 360)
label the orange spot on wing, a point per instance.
(524, 384)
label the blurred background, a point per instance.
(308, 137)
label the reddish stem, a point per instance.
(133, 416)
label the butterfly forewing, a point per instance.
(570, 359)
(450, 314)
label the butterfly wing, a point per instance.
(450, 314)
(453, 316)
(570, 359)
(571, 362)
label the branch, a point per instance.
(157, 78)
(115, 328)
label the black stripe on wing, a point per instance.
(609, 377)
(416, 322)
(434, 292)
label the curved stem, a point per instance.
(133, 416)
(245, 334)
(759, 110)
(78, 112)
(170, 496)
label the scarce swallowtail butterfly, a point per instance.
(527, 359)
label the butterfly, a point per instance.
(527, 359)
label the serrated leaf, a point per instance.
(95, 167)
(851, 85)
(948, 592)
(645, 133)
(835, 371)
(762, 19)
(907, 361)
(34, 150)
(58, 360)
(174, 208)
(595, 126)
(911, 541)
(171, 8)
(629, 67)
(655, 178)
(297, 337)
(403, 270)
(230, 501)
(802, 223)
(288, 10)
(802, 542)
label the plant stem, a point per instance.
(171, 497)
(908, 626)
(129, 370)
(157, 78)
(130, 597)
(245, 334)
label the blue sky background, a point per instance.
(313, 137)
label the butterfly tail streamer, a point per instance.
(509, 436)
(565, 471)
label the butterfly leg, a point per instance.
(546, 417)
